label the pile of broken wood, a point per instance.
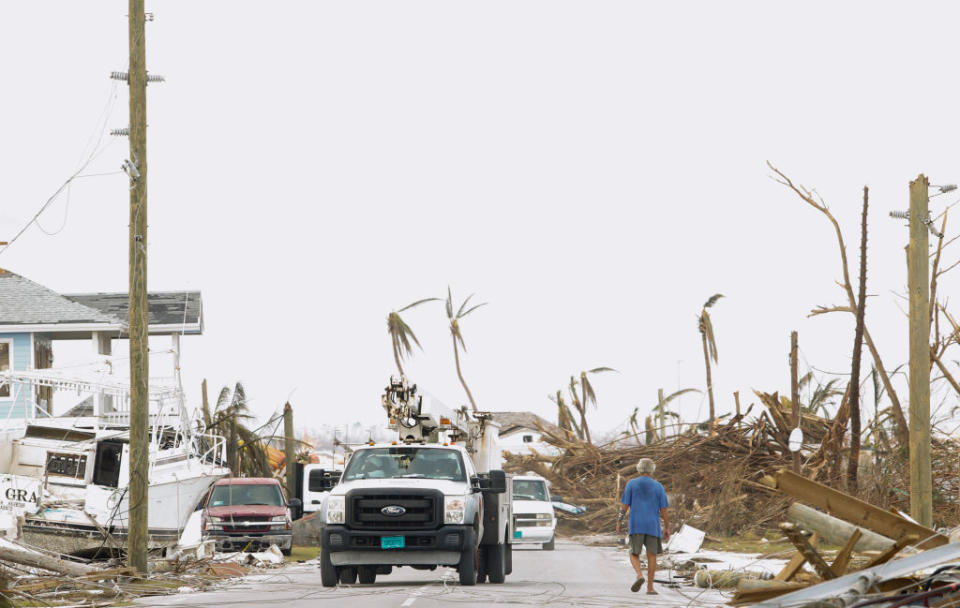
(711, 478)
(36, 577)
(876, 534)
(714, 478)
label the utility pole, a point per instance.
(290, 449)
(921, 487)
(794, 394)
(139, 359)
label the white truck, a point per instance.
(533, 518)
(434, 497)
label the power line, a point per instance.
(95, 152)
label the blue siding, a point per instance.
(21, 393)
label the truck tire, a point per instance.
(348, 575)
(508, 560)
(496, 563)
(467, 568)
(549, 546)
(367, 575)
(328, 572)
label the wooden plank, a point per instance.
(856, 511)
(798, 539)
(842, 560)
(892, 551)
(796, 562)
(54, 582)
(752, 596)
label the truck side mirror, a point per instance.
(496, 482)
(475, 483)
(556, 498)
(296, 508)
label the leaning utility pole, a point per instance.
(921, 488)
(139, 360)
(794, 394)
(290, 449)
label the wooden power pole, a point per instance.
(794, 394)
(139, 359)
(921, 487)
(289, 445)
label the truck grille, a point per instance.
(422, 509)
(246, 525)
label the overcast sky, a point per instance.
(593, 170)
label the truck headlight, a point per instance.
(335, 510)
(213, 523)
(454, 509)
(545, 516)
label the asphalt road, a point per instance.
(573, 575)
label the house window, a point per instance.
(5, 359)
(528, 438)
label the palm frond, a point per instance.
(597, 370)
(473, 308)
(464, 305)
(449, 303)
(418, 303)
(706, 328)
(223, 399)
(713, 300)
(679, 393)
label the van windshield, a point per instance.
(530, 489)
(246, 494)
(408, 462)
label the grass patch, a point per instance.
(302, 553)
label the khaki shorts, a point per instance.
(652, 544)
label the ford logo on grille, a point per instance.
(393, 510)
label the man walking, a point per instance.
(646, 502)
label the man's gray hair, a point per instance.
(646, 466)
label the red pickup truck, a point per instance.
(243, 514)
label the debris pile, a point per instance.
(714, 480)
(35, 577)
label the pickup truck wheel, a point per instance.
(467, 568)
(367, 575)
(549, 546)
(328, 572)
(496, 563)
(348, 575)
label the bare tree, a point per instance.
(814, 200)
(857, 348)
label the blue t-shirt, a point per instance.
(645, 497)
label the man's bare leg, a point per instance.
(635, 562)
(651, 569)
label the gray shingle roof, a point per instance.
(165, 307)
(23, 302)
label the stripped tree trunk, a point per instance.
(857, 348)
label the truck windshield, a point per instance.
(246, 494)
(408, 462)
(530, 489)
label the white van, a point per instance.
(533, 517)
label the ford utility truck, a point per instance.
(434, 497)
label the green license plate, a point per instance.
(518, 533)
(391, 542)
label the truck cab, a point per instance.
(533, 518)
(248, 513)
(421, 501)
